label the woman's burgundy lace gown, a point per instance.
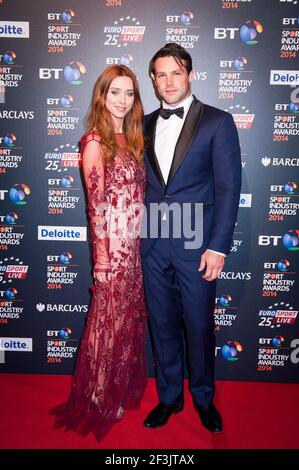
(110, 371)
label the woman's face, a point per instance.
(120, 98)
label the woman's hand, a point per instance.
(105, 276)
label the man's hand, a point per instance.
(213, 263)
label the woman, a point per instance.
(110, 371)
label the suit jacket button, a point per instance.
(167, 196)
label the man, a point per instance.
(192, 156)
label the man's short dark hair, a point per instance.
(176, 51)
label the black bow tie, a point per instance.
(165, 113)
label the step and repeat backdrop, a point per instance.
(245, 56)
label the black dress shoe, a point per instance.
(210, 417)
(161, 414)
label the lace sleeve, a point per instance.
(93, 171)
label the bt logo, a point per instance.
(283, 265)
(66, 181)
(63, 333)
(266, 240)
(238, 64)
(223, 33)
(64, 258)
(66, 16)
(46, 74)
(231, 350)
(291, 107)
(8, 140)
(18, 193)
(290, 21)
(248, 32)
(8, 57)
(65, 101)
(125, 59)
(72, 73)
(185, 18)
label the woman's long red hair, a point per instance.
(99, 118)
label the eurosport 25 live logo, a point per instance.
(12, 269)
(62, 158)
(277, 315)
(124, 31)
(242, 116)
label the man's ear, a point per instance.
(153, 77)
(191, 75)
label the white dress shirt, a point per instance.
(167, 134)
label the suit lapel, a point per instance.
(150, 147)
(186, 136)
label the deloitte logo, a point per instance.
(284, 77)
(14, 29)
(75, 234)
(16, 344)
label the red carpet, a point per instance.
(255, 416)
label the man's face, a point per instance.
(171, 80)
